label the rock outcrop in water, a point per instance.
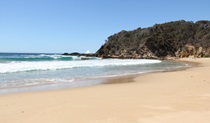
(80, 54)
(176, 39)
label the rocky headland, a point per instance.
(170, 40)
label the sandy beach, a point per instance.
(167, 97)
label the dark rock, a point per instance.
(80, 54)
(65, 54)
(74, 54)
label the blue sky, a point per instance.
(57, 26)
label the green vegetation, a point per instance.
(172, 39)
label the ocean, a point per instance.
(20, 72)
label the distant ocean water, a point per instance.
(28, 71)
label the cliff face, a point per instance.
(169, 40)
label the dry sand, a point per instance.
(169, 97)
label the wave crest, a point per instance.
(25, 66)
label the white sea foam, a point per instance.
(32, 82)
(54, 56)
(55, 65)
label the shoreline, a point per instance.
(175, 96)
(130, 78)
(90, 81)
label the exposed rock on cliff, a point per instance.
(169, 40)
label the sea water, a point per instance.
(29, 71)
